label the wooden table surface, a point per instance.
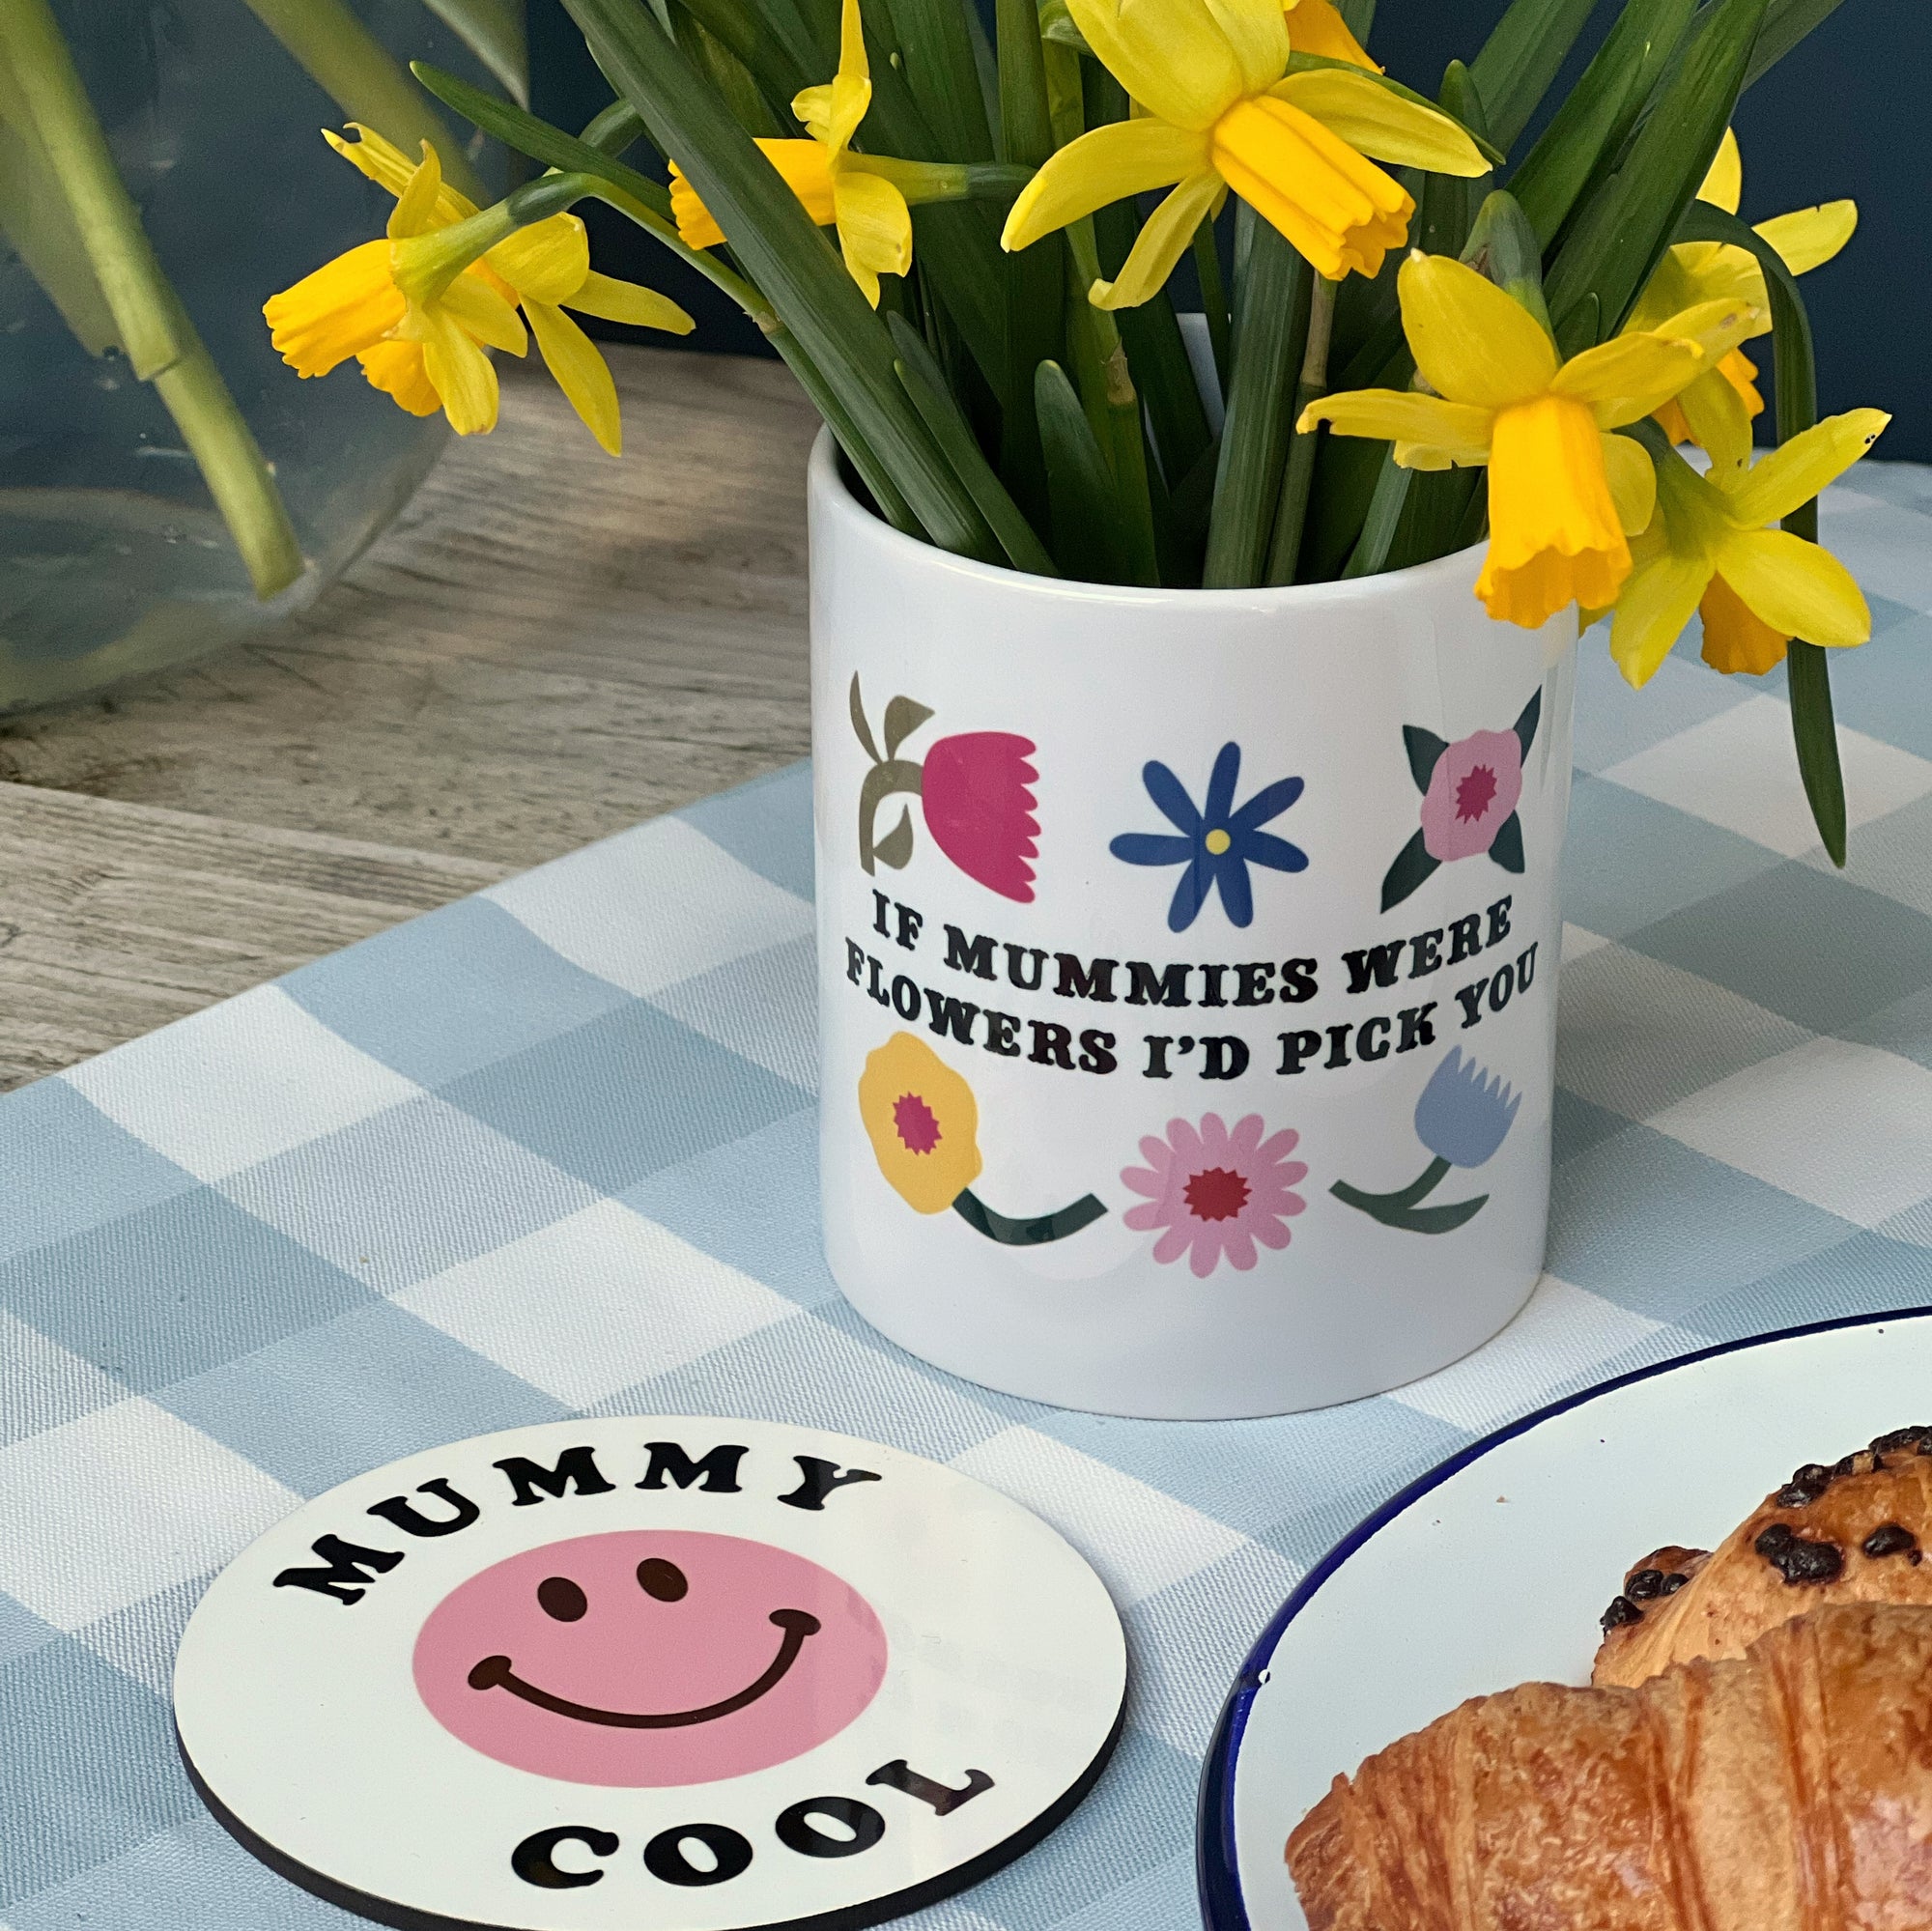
(546, 647)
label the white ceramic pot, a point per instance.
(1187, 970)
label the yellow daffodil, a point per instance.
(1221, 111)
(397, 307)
(923, 1121)
(1563, 492)
(1715, 548)
(838, 188)
(1717, 410)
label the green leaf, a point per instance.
(903, 717)
(1425, 749)
(1807, 666)
(1628, 220)
(1413, 865)
(1521, 57)
(1507, 846)
(1786, 22)
(937, 50)
(538, 139)
(926, 385)
(1598, 113)
(775, 241)
(1390, 497)
(854, 703)
(493, 29)
(1087, 520)
(1270, 334)
(1527, 720)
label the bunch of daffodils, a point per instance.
(1194, 292)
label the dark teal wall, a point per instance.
(1846, 114)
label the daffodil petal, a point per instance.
(1724, 181)
(414, 212)
(343, 307)
(1257, 34)
(1632, 482)
(1168, 54)
(546, 261)
(1382, 124)
(581, 372)
(484, 313)
(1717, 326)
(1796, 471)
(462, 374)
(1317, 27)
(1718, 422)
(1473, 342)
(1795, 586)
(630, 302)
(1808, 238)
(1163, 239)
(1629, 376)
(1652, 610)
(396, 368)
(874, 229)
(1111, 162)
(388, 166)
(1457, 428)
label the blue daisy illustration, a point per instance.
(1216, 843)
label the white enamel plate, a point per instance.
(1493, 1569)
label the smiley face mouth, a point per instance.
(493, 1672)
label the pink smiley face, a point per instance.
(649, 1658)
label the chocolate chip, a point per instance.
(1806, 1486)
(1891, 1539)
(1796, 1559)
(1845, 1465)
(1913, 1438)
(1644, 1583)
(1674, 1582)
(1622, 1611)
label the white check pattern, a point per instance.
(550, 1150)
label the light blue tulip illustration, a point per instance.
(1464, 1115)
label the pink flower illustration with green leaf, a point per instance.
(1470, 790)
(1214, 1191)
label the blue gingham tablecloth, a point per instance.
(550, 1151)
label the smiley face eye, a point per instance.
(558, 1597)
(661, 1578)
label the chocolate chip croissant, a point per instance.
(1790, 1790)
(1852, 1533)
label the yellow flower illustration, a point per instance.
(924, 1123)
(837, 187)
(1714, 548)
(413, 310)
(1717, 408)
(1564, 493)
(1219, 111)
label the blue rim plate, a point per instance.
(1493, 1567)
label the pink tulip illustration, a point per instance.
(974, 791)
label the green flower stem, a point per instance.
(1214, 299)
(154, 330)
(1034, 1232)
(924, 182)
(1292, 512)
(233, 467)
(359, 75)
(1399, 1209)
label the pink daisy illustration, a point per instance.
(1214, 1190)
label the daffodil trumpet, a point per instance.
(1565, 493)
(1221, 112)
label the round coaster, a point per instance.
(665, 1673)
